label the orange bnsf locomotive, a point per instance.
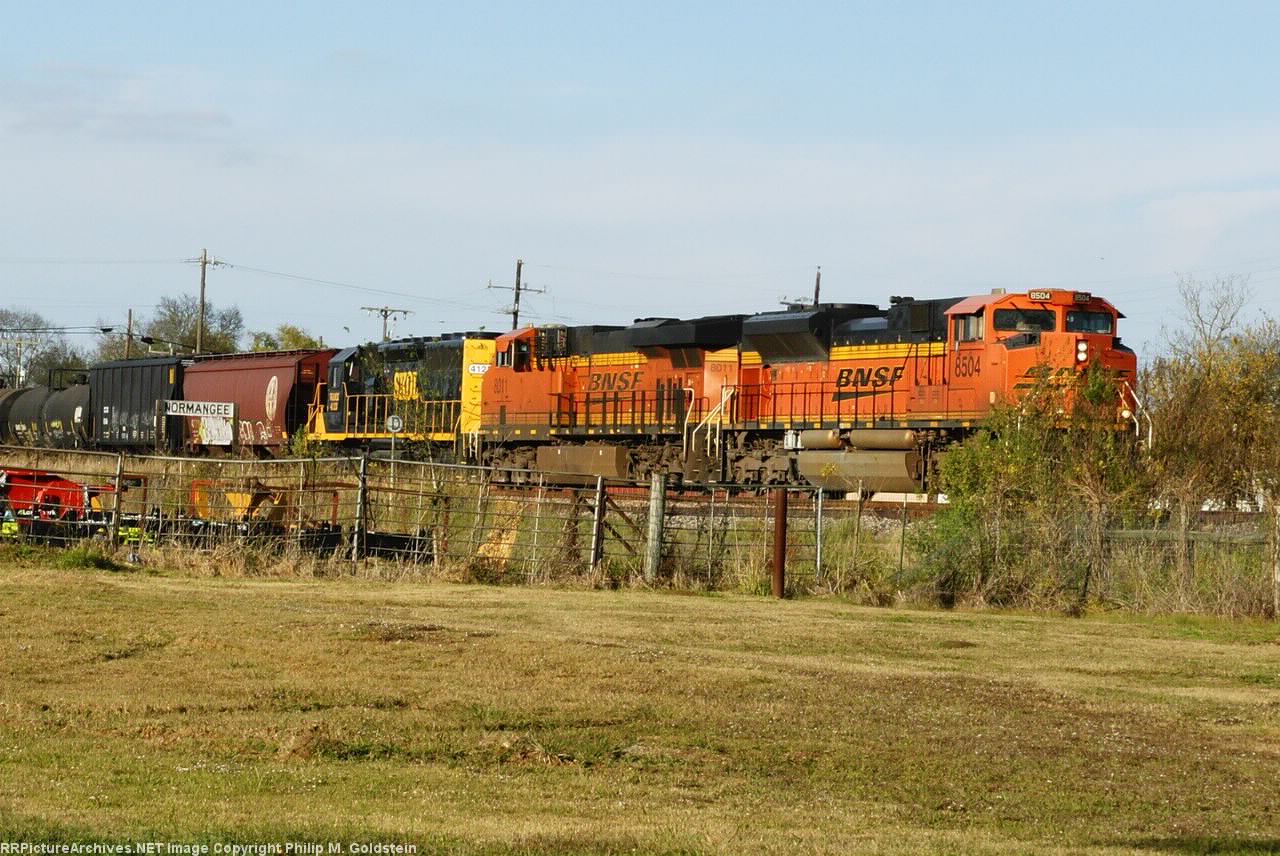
(841, 396)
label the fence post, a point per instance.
(537, 528)
(357, 534)
(857, 539)
(1275, 561)
(115, 514)
(902, 542)
(779, 541)
(657, 517)
(597, 526)
(817, 534)
(302, 488)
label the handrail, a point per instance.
(726, 395)
(688, 414)
(1140, 410)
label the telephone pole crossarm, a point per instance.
(519, 289)
(387, 313)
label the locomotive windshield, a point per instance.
(1088, 322)
(1024, 320)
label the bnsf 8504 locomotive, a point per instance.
(837, 395)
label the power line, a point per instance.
(91, 261)
(73, 328)
(350, 286)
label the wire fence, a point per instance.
(496, 526)
(512, 527)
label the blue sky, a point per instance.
(644, 159)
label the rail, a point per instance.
(784, 405)
(366, 414)
(1139, 413)
(633, 411)
(713, 428)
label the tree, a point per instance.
(1216, 402)
(33, 350)
(1007, 536)
(1254, 356)
(176, 320)
(173, 329)
(1197, 453)
(286, 337)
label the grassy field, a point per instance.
(139, 706)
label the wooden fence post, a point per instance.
(1275, 561)
(657, 515)
(597, 526)
(779, 542)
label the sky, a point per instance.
(655, 159)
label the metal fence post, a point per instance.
(657, 515)
(357, 534)
(817, 535)
(779, 542)
(597, 526)
(302, 488)
(115, 514)
(902, 542)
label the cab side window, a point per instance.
(967, 328)
(520, 356)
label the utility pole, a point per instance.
(205, 263)
(817, 285)
(386, 312)
(519, 289)
(19, 344)
(128, 338)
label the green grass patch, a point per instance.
(472, 719)
(87, 557)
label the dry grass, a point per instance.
(499, 720)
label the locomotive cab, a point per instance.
(516, 349)
(1003, 344)
(343, 368)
